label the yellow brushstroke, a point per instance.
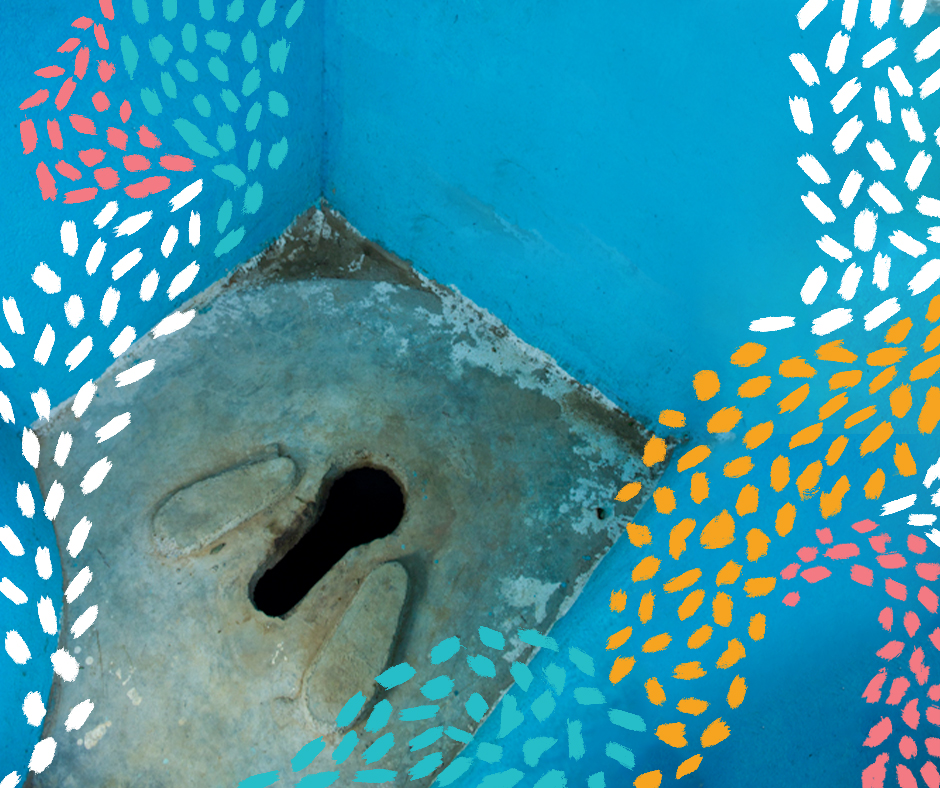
(930, 412)
(786, 515)
(796, 368)
(700, 637)
(672, 418)
(926, 368)
(747, 501)
(739, 467)
(648, 780)
(719, 532)
(875, 485)
(618, 601)
(639, 535)
(657, 643)
(665, 500)
(757, 542)
(683, 581)
(736, 692)
(758, 434)
(732, 655)
(757, 626)
(780, 473)
(622, 666)
(845, 379)
(899, 331)
(806, 482)
(645, 611)
(830, 503)
(859, 416)
(728, 574)
(721, 609)
(932, 340)
(901, 401)
(794, 399)
(619, 638)
(644, 570)
(834, 404)
(806, 435)
(882, 379)
(688, 671)
(629, 491)
(655, 692)
(688, 766)
(886, 356)
(655, 451)
(835, 450)
(876, 438)
(706, 384)
(748, 354)
(716, 732)
(933, 309)
(693, 706)
(691, 603)
(673, 733)
(699, 488)
(903, 460)
(754, 387)
(759, 586)
(724, 420)
(693, 457)
(677, 536)
(833, 351)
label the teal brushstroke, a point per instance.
(218, 40)
(490, 753)
(534, 638)
(476, 706)
(554, 779)
(444, 650)
(189, 37)
(260, 780)
(230, 241)
(266, 14)
(225, 215)
(225, 137)
(575, 740)
(457, 768)
(251, 82)
(505, 779)
(535, 748)
(254, 155)
(169, 10)
(129, 53)
(230, 173)
(426, 765)
(375, 776)
(169, 86)
(306, 754)
(426, 739)
(321, 780)
(396, 675)
(201, 103)
(230, 100)
(482, 666)
(597, 781)
(250, 47)
(277, 54)
(490, 637)
(235, 10)
(589, 696)
(556, 677)
(346, 746)
(277, 103)
(620, 754)
(581, 661)
(218, 69)
(141, 12)
(187, 70)
(624, 719)
(416, 713)
(151, 101)
(510, 717)
(193, 137)
(458, 735)
(522, 675)
(294, 14)
(351, 710)
(253, 116)
(544, 705)
(379, 717)
(160, 48)
(206, 9)
(438, 688)
(379, 748)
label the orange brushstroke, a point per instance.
(886, 356)
(622, 666)
(699, 487)
(645, 610)
(683, 581)
(796, 368)
(700, 637)
(759, 586)
(930, 412)
(716, 732)
(618, 601)
(794, 399)
(806, 482)
(835, 450)
(692, 706)
(693, 457)
(639, 535)
(901, 401)
(780, 473)
(833, 351)
(837, 402)
(688, 766)
(732, 655)
(876, 438)
(721, 609)
(728, 574)
(739, 467)
(757, 626)
(758, 434)
(644, 570)
(657, 643)
(875, 485)
(747, 500)
(691, 603)
(754, 387)
(830, 503)
(655, 692)
(629, 491)
(706, 384)
(859, 416)
(757, 542)
(619, 638)
(655, 451)
(724, 420)
(719, 532)
(899, 331)
(665, 500)
(688, 671)
(845, 379)
(748, 354)
(677, 536)
(786, 515)
(903, 460)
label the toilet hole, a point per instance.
(362, 505)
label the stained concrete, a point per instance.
(294, 370)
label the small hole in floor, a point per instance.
(362, 505)
(601, 514)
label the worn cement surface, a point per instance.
(293, 371)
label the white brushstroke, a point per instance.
(915, 131)
(24, 499)
(47, 279)
(6, 360)
(185, 196)
(78, 536)
(849, 10)
(925, 277)
(881, 156)
(809, 12)
(79, 353)
(6, 409)
(41, 402)
(109, 305)
(135, 373)
(901, 85)
(173, 322)
(813, 168)
(65, 665)
(884, 311)
(764, 324)
(831, 321)
(933, 234)
(935, 500)
(31, 447)
(799, 108)
(880, 11)
(44, 345)
(11, 592)
(928, 46)
(123, 341)
(43, 754)
(69, 235)
(34, 709)
(804, 68)
(83, 399)
(193, 228)
(184, 279)
(43, 563)
(813, 285)
(10, 542)
(54, 500)
(74, 311)
(16, 647)
(878, 52)
(933, 474)
(921, 519)
(833, 248)
(12, 314)
(898, 505)
(169, 240)
(133, 223)
(929, 206)
(95, 475)
(62, 448)
(929, 86)
(10, 781)
(884, 198)
(95, 256)
(78, 715)
(866, 228)
(882, 105)
(818, 208)
(845, 94)
(47, 617)
(846, 135)
(911, 11)
(126, 263)
(84, 621)
(906, 244)
(835, 58)
(78, 584)
(149, 286)
(106, 215)
(882, 271)
(113, 427)
(915, 173)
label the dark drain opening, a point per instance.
(362, 505)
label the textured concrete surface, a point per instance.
(280, 384)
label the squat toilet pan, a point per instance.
(324, 476)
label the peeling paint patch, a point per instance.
(96, 734)
(528, 592)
